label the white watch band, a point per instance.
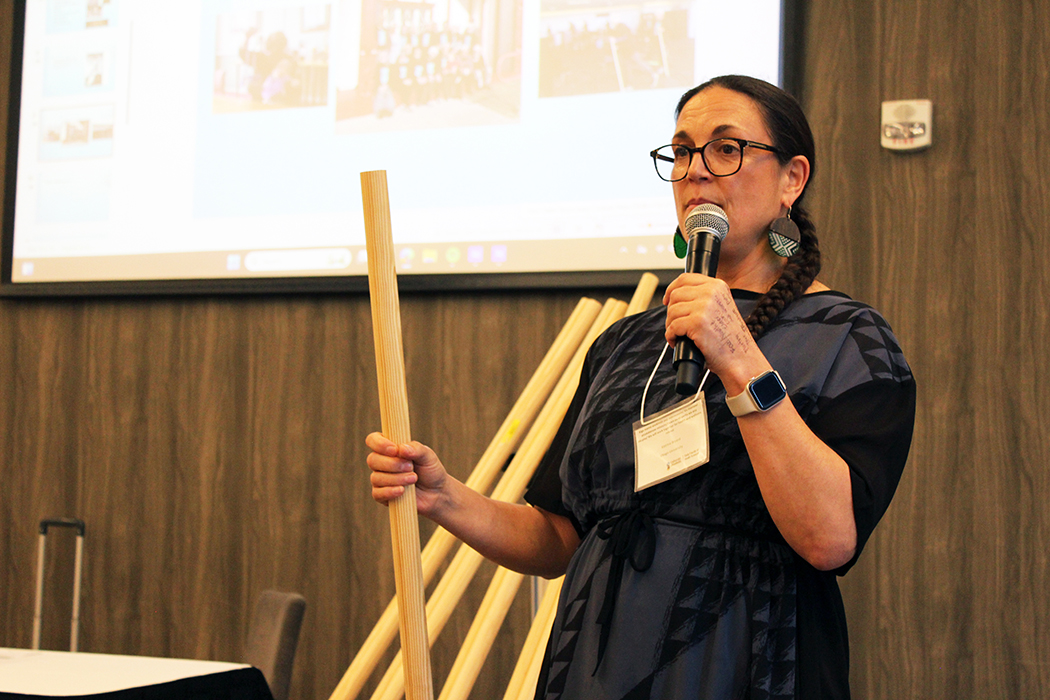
(742, 403)
(745, 402)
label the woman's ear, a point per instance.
(796, 175)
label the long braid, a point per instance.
(801, 269)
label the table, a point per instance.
(26, 674)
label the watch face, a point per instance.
(767, 391)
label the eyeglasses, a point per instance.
(722, 157)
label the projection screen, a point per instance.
(224, 139)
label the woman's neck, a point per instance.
(760, 275)
(757, 272)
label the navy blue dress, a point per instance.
(687, 589)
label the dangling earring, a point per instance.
(784, 236)
(679, 243)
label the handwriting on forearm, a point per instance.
(726, 323)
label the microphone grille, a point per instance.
(707, 217)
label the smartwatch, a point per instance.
(762, 393)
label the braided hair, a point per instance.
(791, 137)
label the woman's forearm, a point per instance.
(519, 537)
(805, 485)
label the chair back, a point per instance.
(273, 635)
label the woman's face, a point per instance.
(758, 193)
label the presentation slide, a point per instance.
(225, 138)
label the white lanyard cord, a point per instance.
(645, 392)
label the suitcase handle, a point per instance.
(62, 522)
(74, 627)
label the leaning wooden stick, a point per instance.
(482, 634)
(500, 595)
(393, 404)
(510, 488)
(522, 685)
(466, 562)
(643, 294)
(506, 440)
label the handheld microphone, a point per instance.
(705, 227)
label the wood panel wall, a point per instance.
(214, 448)
(950, 599)
(213, 445)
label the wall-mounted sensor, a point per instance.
(907, 125)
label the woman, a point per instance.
(730, 591)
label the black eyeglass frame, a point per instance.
(693, 150)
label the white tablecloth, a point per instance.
(63, 673)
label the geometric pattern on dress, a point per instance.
(708, 588)
(870, 332)
(568, 633)
(614, 404)
(723, 497)
(710, 583)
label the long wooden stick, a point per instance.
(440, 607)
(510, 488)
(643, 294)
(482, 634)
(517, 423)
(500, 595)
(393, 403)
(522, 683)
(523, 680)
(452, 586)
(536, 392)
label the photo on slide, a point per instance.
(429, 65)
(82, 68)
(99, 13)
(608, 47)
(272, 59)
(76, 133)
(78, 15)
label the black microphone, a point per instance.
(705, 227)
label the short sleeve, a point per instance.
(545, 488)
(870, 427)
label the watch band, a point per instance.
(762, 393)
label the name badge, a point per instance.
(671, 442)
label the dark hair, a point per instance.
(792, 137)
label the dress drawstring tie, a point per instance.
(632, 537)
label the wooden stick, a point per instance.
(506, 440)
(528, 686)
(550, 612)
(643, 294)
(440, 607)
(393, 403)
(482, 633)
(461, 569)
(533, 397)
(526, 672)
(510, 488)
(500, 595)
(453, 585)
(523, 681)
